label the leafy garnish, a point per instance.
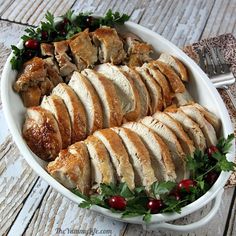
(224, 145)
(199, 165)
(111, 18)
(49, 24)
(158, 189)
(17, 60)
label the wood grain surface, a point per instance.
(28, 206)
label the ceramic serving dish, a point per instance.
(201, 89)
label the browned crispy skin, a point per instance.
(32, 74)
(32, 83)
(31, 97)
(42, 134)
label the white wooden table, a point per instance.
(27, 204)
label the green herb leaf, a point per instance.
(106, 189)
(78, 193)
(162, 187)
(224, 145)
(69, 15)
(17, 60)
(138, 190)
(85, 204)
(114, 18)
(147, 217)
(173, 205)
(128, 214)
(201, 184)
(125, 191)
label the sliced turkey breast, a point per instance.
(210, 117)
(90, 100)
(64, 61)
(141, 88)
(72, 168)
(53, 71)
(110, 45)
(175, 64)
(185, 142)
(153, 88)
(32, 96)
(162, 163)
(75, 109)
(206, 127)
(136, 112)
(102, 170)
(190, 127)
(41, 133)
(170, 139)
(31, 81)
(47, 49)
(56, 106)
(138, 51)
(161, 80)
(139, 157)
(182, 99)
(125, 89)
(83, 51)
(112, 113)
(118, 154)
(174, 80)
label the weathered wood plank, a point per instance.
(89, 5)
(231, 229)
(16, 181)
(30, 205)
(58, 213)
(24, 11)
(222, 19)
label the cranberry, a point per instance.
(65, 21)
(63, 24)
(89, 20)
(53, 34)
(186, 184)
(117, 203)
(32, 44)
(211, 177)
(28, 54)
(155, 205)
(176, 194)
(44, 35)
(211, 150)
(63, 33)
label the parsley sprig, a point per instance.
(199, 165)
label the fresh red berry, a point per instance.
(44, 35)
(32, 44)
(89, 20)
(186, 184)
(117, 203)
(211, 177)
(155, 205)
(65, 21)
(211, 150)
(63, 32)
(176, 194)
(28, 54)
